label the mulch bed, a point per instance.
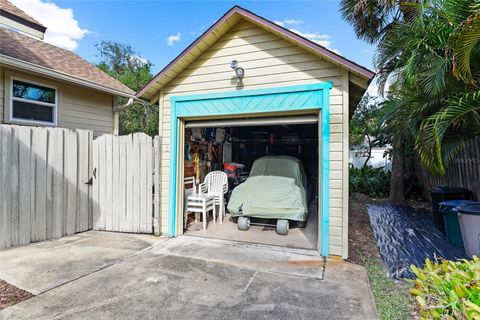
(362, 245)
(10, 295)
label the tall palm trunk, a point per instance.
(397, 183)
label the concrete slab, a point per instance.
(306, 238)
(274, 259)
(185, 279)
(41, 266)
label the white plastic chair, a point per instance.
(197, 203)
(216, 185)
(188, 192)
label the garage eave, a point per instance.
(225, 23)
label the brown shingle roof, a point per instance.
(19, 46)
(8, 10)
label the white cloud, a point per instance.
(62, 27)
(289, 22)
(294, 22)
(174, 38)
(138, 60)
(320, 38)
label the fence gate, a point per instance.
(43, 190)
(123, 183)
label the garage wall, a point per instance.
(78, 107)
(268, 62)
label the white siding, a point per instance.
(78, 107)
(268, 62)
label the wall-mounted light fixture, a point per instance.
(239, 72)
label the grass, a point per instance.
(391, 297)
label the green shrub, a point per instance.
(374, 182)
(448, 289)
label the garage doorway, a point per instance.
(272, 103)
(233, 146)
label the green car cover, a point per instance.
(276, 189)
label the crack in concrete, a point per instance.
(101, 268)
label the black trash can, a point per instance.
(442, 193)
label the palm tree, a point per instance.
(431, 54)
(434, 61)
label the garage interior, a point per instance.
(232, 146)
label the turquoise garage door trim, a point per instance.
(314, 97)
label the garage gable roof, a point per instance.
(225, 23)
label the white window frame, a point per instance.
(54, 106)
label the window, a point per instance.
(33, 103)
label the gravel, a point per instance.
(10, 295)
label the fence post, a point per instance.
(156, 186)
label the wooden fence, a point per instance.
(463, 171)
(123, 183)
(43, 194)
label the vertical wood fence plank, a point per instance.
(156, 186)
(136, 183)
(90, 174)
(15, 205)
(94, 194)
(119, 198)
(462, 171)
(39, 144)
(58, 191)
(81, 223)
(103, 177)
(24, 196)
(143, 184)
(122, 184)
(116, 183)
(71, 149)
(6, 186)
(149, 184)
(129, 184)
(32, 188)
(49, 186)
(108, 204)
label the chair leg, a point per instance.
(214, 214)
(222, 209)
(185, 218)
(204, 216)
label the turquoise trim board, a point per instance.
(280, 99)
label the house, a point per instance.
(43, 85)
(273, 92)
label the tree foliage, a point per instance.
(123, 63)
(430, 51)
(434, 61)
(367, 130)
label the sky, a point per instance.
(160, 30)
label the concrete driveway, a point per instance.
(181, 278)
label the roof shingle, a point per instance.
(8, 7)
(19, 46)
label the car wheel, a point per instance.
(243, 223)
(301, 224)
(282, 227)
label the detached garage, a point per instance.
(248, 96)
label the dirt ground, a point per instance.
(10, 295)
(362, 245)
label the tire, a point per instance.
(282, 227)
(301, 224)
(243, 223)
